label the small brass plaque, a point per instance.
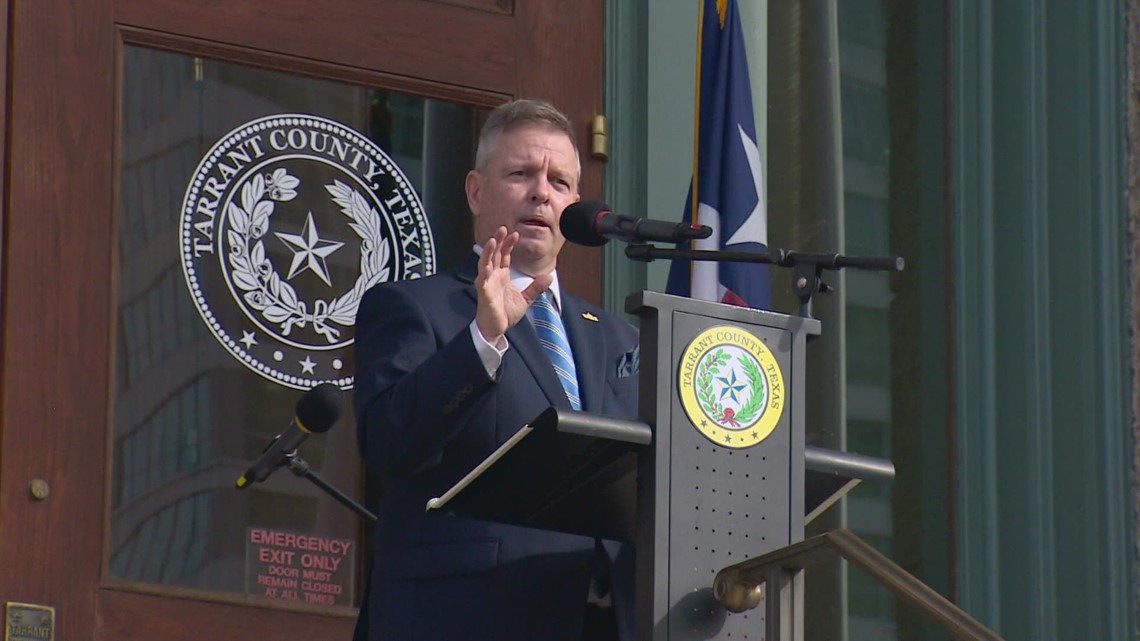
(27, 622)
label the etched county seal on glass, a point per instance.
(286, 222)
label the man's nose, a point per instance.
(540, 191)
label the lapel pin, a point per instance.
(590, 317)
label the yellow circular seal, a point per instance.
(731, 386)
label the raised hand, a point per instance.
(500, 303)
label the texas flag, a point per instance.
(727, 182)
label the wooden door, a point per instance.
(74, 297)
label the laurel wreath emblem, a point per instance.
(711, 365)
(265, 290)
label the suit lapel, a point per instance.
(466, 271)
(523, 342)
(588, 342)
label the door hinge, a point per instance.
(599, 138)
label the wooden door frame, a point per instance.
(537, 36)
(60, 212)
(55, 231)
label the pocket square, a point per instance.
(630, 363)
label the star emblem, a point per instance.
(754, 229)
(307, 366)
(732, 385)
(248, 339)
(309, 251)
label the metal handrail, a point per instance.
(737, 587)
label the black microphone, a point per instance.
(317, 410)
(591, 223)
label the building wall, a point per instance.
(1133, 38)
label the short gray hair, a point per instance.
(518, 113)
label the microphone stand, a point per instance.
(300, 467)
(807, 269)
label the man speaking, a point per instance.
(449, 367)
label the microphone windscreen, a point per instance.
(320, 407)
(579, 223)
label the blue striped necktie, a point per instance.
(552, 335)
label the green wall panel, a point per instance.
(1043, 424)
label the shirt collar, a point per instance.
(522, 281)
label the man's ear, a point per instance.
(474, 188)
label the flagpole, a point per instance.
(693, 216)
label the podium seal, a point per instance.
(731, 387)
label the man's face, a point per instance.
(530, 176)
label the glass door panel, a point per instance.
(255, 207)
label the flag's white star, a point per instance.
(307, 365)
(755, 228)
(309, 251)
(705, 284)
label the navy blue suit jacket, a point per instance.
(427, 413)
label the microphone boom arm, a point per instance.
(807, 269)
(300, 467)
